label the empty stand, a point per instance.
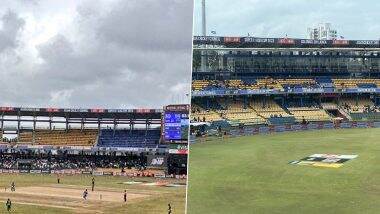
(129, 138)
(199, 114)
(309, 114)
(279, 84)
(270, 110)
(355, 83)
(72, 137)
(236, 112)
(199, 85)
(359, 105)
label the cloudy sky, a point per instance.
(95, 53)
(275, 18)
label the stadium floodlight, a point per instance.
(204, 33)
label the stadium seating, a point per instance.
(287, 83)
(359, 105)
(199, 114)
(329, 105)
(199, 85)
(236, 84)
(236, 112)
(224, 109)
(25, 137)
(297, 82)
(129, 138)
(267, 107)
(361, 108)
(355, 83)
(365, 116)
(270, 110)
(245, 117)
(72, 137)
(309, 114)
(325, 82)
(262, 110)
(269, 84)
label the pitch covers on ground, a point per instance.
(324, 160)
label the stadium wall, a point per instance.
(92, 172)
(246, 131)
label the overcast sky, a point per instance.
(90, 53)
(353, 19)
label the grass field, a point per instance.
(251, 174)
(41, 194)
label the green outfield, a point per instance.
(252, 174)
(41, 194)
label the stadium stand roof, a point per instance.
(83, 113)
(246, 42)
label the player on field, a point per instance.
(125, 196)
(169, 209)
(58, 179)
(85, 194)
(9, 205)
(92, 184)
(13, 186)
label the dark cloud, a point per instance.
(135, 54)
(12, 24)
(149, 25)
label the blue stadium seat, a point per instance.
(129, 138)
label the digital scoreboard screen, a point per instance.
(176, 126)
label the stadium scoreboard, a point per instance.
(176, 123)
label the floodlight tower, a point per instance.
(204, 33)
(204, 18)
